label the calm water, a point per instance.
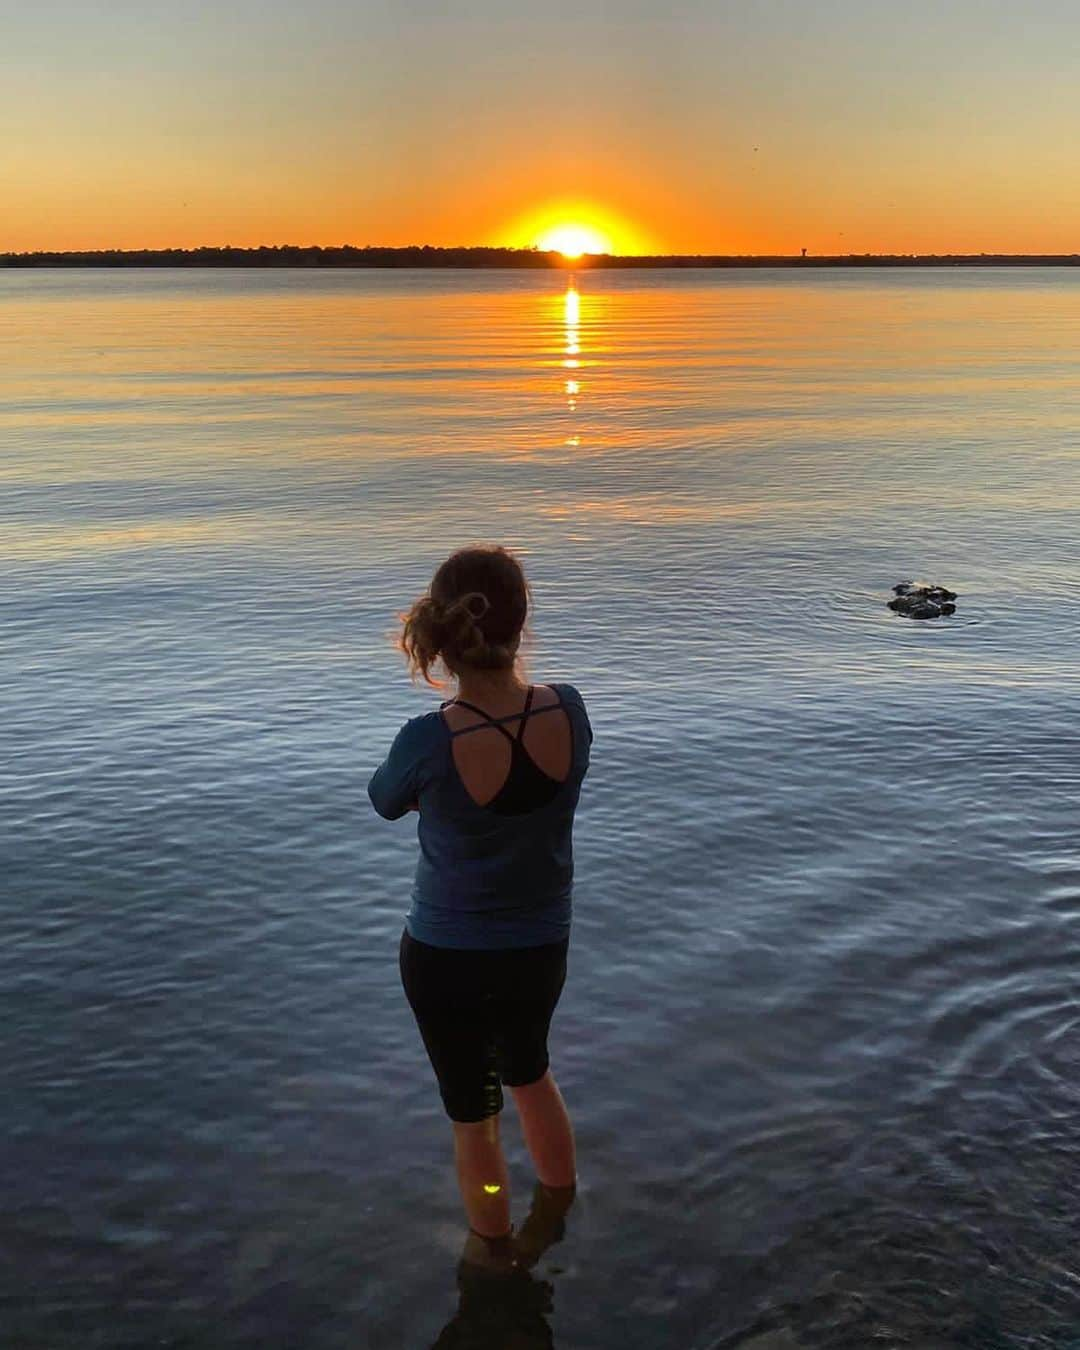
(821, 1036)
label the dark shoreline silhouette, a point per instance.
(292, 255)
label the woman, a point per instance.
(495, 775)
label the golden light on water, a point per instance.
(572, 308)
(572, 318)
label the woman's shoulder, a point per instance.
(568, 693)
(420, 731)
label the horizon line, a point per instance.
(531, 254)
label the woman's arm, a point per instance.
(394, 787)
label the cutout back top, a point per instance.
(495, 869)
(526, 787)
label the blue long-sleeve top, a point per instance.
(483, 879)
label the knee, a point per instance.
(533, 1087)
(474, 1132)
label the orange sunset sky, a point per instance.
(691, 126)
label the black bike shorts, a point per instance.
(484, 1017)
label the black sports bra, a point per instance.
(527, 786)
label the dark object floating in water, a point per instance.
(919, 601)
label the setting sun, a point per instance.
(573, 240)
(575, 228)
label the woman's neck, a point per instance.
(491, 688)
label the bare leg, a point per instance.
(548, 1133)
(482, 1176)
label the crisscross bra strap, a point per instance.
(525, 712)
(496, 722)
(488, 721)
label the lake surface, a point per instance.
(821, 1034)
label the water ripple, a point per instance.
(820, 1033)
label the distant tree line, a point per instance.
(289, 255)
(416, 255)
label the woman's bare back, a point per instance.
(483, 752)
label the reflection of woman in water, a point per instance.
(508, 1312)
(495, 774)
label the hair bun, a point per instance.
(472, 615)
(476, 604)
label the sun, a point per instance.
(575, 228)
(573, 240)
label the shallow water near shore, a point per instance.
(821, 1032)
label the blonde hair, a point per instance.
(472, 615)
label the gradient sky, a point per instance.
(691, 125)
